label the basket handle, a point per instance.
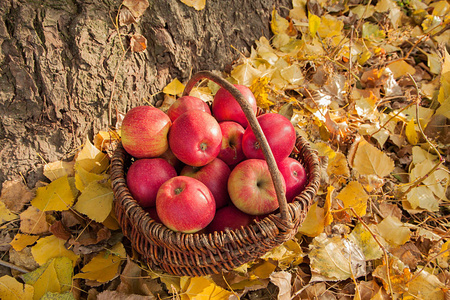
(256, 128)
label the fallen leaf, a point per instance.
(138, 43)
(411, 133)
(58, 169)
(365, 240)
(369, 160)
(421, 198)
(197, 4)
(108, 295)
(50, 247)
(137, 7)
(278, 24)
(104, 266)
(314, 222)
(10, 288)
(54, 276)
(335, 259)
(92, 159)
(96, 201)
(126, 17)
(401, 68)
(202, 288)
(15, 195)
(58, 195)
(393, 231)
(313, 24)
(84, 178)
(21, 241)
(5, 214)
(259, 88)
(23, 258)
(286, 255)
(425, 286)
(354, 196)
(175, 87)
(33, 221)
(282, 280)
(245, 74)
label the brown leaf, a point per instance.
(409, 254)
(138, 43)
(23, 258)
(90, 240)
(15, 194)
(33, 221)
(59, 230)
(126, 17)
(137, 7)
(108, 295)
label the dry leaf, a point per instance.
(50, 247)
(314, 222)
(58, 195)
(354, 196)
(33, 221)
(96, 201)
(10, 288)
(104, 266)
(136, 7)
(84, 178)
(197, 4)
(364, 239)
(58, 169)
(175, 87)
(126, 17)
(393, 231)
(282, 280)
(5, 214)
(138, 43)
(92, 159)
(368, 160)
(411, 133)
(401, 68)
(15, 194)
(202, 288)
(21, 241)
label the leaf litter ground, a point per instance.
(367, 83)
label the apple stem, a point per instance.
(256, 128)
(178, 191)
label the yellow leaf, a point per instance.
(84, 178)
(104, 139)
(21, 241)
(437, 181)
(11, 289)
(313, 224)
(369, 160)
(278, 23)
(111, 221)
(5, 214)
(401, 68)
(354, 196)
(104, 266)
(338, 169)
(175, 87)
(57, 169)
(328, 218)
(50, 247)
(197, 4)
(287, 254)
(59, 195)
(393, 231)
(92, 159)
(365, 240)
(263, 270)
(260, 90)
(201, 288)
(245, 74)
(411, 133)
(425, 286)
(313, 23)
(55, 276)
(420, 198)
(330, 27)
(96, 201)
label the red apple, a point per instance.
(226, 108)
(184, 104)
(144, 178)
(280, 135)
(173, 160)
(152, 213)
(229, 217)
(251, 187)
(215, 176)
(294, 175)
(185, 204)
(144, 132)
(195, 138)
(231, 149)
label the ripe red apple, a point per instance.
(231, 149)
(184, 104)
(251, 187)
(144, 178)
(195, 138)
(226, 108)
(185, 204)
(173, 160)
(280, 135)
(215, 176)
(294, 175)
(229, 217)
(144, 132)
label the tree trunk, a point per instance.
(62, 63)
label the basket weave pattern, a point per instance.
(200, 254)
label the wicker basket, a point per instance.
(201, 254)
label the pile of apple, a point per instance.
(197, 168)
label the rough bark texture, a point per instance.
(59, 58)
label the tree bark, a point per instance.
(61, 60)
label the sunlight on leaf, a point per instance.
(354, 195)
(55, 276)
(58, 195)
(197, 4)
(411, 133)
(314, 23)
(393, 231)
(278, 24)
(11, 289)
(282, 280)
(370, 160)
(175, 87)
(364, 239)
(33, 221)
(5, 214)
(202, 288)
(50, 247)
(92, 159)
(288, 254)
(245, 74)
(83, 178)
(313, 224)
(58, 169)
(401, 68)
(137, 7)
(96, 201)
(104, 266)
